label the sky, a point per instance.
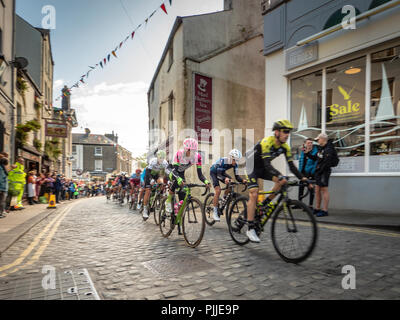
(86, 31)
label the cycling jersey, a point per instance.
(123, 181)
(156, 167)
(218, 171)
(258, 160)
(135, 179)
(182, 163)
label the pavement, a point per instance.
(18, 223)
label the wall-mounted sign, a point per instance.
(300, 56)
(56, 129)
(202, 93)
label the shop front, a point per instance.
(32, 159)
(346, 84)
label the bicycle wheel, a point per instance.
(166, 221)
(294, 233)
(237, 221)
(209, 209)
(193, 222)
(157, 208)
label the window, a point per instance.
(98, 165)
(19, 114)
(345, 123)
(385, 111)
(74, 152)
(306, 109)
(170, 57)
(98, 151)
(74, 165)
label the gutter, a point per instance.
(358, 18)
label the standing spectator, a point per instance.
(71, 190)
(327, 158)
(39, 183)
(31, 187)
(17, 181)
(3, 184)
(57, 188)
(307, 167)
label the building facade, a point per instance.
(330, 73)
(98, 157)
(7, 76)
(210, 77)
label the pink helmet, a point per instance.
(190, 144)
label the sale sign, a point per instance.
(203, 107)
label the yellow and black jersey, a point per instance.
(267, 150)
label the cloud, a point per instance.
(120, 107)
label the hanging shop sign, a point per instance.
(202, 92)
(56, 129)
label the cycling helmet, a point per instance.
(190, 144)
(235, 154)
(161, 154)
(282, 124)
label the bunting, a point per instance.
(104, 61)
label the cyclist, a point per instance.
(123, 183)
(135, 181)
(142, 189)
(258, 166)
(218, 173)
(154, 171)
(183, 160)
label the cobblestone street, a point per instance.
(128, 258)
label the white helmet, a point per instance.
(235, 154)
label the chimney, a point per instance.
(87, 131)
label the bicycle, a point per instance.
(223, 204)
(134, 199)
(190, 216)
(293, 221)
(155, 201)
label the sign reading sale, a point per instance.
(203, 107)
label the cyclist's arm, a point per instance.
(237, 177)
(292, 167)
(201, 176)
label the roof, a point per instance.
(178, 22)
(95, 139)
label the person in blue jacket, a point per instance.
(307, 166)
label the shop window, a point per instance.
(306, 109)
(385, 111)
(377, 3)
(345, 112)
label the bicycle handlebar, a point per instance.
(232, 183)
(198, 186)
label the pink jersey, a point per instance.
(185, 163)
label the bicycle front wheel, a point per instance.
(237, 221)
(166, 222)
(193, 223)
(209, 209)
(157, 208)
(294, 232)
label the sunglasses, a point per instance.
(285, 131)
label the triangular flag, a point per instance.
(126, 38)
(101, 64)
(91, 67)
(105, 61)
(164, 9)
(82, 81)
(114, 54)
(170, 2)
(133, 34)
(152, 14)
(147, 20)
(108, 57)
(120, 45)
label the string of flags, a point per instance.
(103, 63)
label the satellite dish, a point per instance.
(20, 62)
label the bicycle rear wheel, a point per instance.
(294, 233)
(237, 221)
(157, 208)
(209, 209)
(166, 221)
(193, 223)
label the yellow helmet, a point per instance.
(282, 124)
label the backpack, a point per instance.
(335, 159)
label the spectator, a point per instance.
(49, 184)
(17, 181)
(31, 187)
(307, 167)
(326, 157)
(3, 184)
(71, 190)
(57, 188)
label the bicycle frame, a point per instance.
(178, 220)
